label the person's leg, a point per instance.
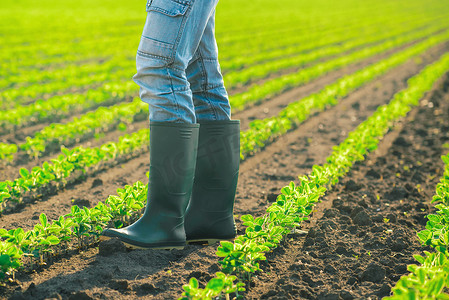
(171, 36)
(206, 81)
(209, 216)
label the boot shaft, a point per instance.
(218, 154)
(210, 211)
(173, 152)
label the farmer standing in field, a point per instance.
(194, 144)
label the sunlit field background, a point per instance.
(57, 35)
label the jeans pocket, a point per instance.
(163, 28)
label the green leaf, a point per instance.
(43, 219)
(437, 288)
(286, 190)
(221, 253)
(121, 127)
(421, 275)
(65, 151)
(53, 240)
(237, 254)
(215, 284)
(24, 172)
(442, 297)
(292, 186)
(419, 258)
(280, 202)
(5, 260)
(247, 218)
(227, 245)
(424, 235)
(193, 282)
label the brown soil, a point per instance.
(340, 257)
(365, 234)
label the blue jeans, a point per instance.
(177, 63)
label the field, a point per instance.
(343, 189)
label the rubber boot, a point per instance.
(173, 151)
(210, 215)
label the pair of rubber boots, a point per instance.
(193, 178)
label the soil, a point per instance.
(365, 236)
(359, 240)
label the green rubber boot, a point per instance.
(210, 215)
(173, 151)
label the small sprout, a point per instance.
(386, 220)
(419, 163)
(398, 175)
(406, 168)
(169, 272)
(377, 197)
(355, 256)
(368, 253)
(121, 127)
(405, 213)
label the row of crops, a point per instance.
(81, 90)
(296, 202)
(53, 174)
(89, 124)
(262, 233)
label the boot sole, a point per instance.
(134, 247)
(207, 241)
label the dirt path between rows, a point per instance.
(162, 273)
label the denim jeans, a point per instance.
(177, 63)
